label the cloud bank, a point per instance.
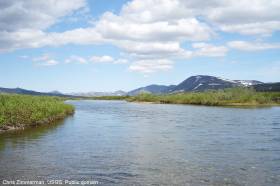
(151, 32)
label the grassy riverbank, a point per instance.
(19, 111)
(227, 97)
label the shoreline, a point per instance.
(18, 112)
(47, 121)
(239, 105)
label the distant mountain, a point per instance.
(248, 82)
(202, 83)
(31, 92)
(55, 92)
(98, 94)
(267, 87)
(196, 83)
(153, 89)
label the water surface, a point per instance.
(120, 143)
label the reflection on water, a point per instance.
(119, 143)
(28, 134)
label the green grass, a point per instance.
(227, 97)
(18, 111)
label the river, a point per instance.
(120, 143)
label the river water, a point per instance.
(120, 143)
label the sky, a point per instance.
(95, 45)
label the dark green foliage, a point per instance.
(23, 110)
(232, 96)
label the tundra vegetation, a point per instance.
(19, 111)
(239, 96)
(227, 97)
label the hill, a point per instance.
(197, 83)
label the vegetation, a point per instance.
(226, 97)
(18, 111)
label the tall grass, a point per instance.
(23, 110)
(233, 96)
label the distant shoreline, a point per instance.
(234, 97)
(238, 105)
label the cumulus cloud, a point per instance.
(43, 57)
(146, 30)
(23, 23)
(94, 59)
(204, 49)
(120, 28)
(76, 59)
(45, 60)
(256, 17)
(150, 48)
(101, 59)
(256, 28)
(50, 62)
(150, 66)
(252, 46)
(27, 38)
(34, 14)
(107, 59)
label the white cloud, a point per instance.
(83, 36)
(107, 59)
(151, 66)
(45, 60)
(204, 49)
(256, 28)
(252, 46)
(256, 17)
(27, 38)
(76, 59)
(120, 61)
(146, 11)
(115, 27)
(35, 14)
(43, 57)
(151, 35)
(150, 48)
(101, 59)
(50, 62)
(23, 24)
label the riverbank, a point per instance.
(228, 97)
(21, 111)
(240, 97)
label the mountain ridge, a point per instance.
(197, 83)
(31, 92)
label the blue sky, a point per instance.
(81, 46)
